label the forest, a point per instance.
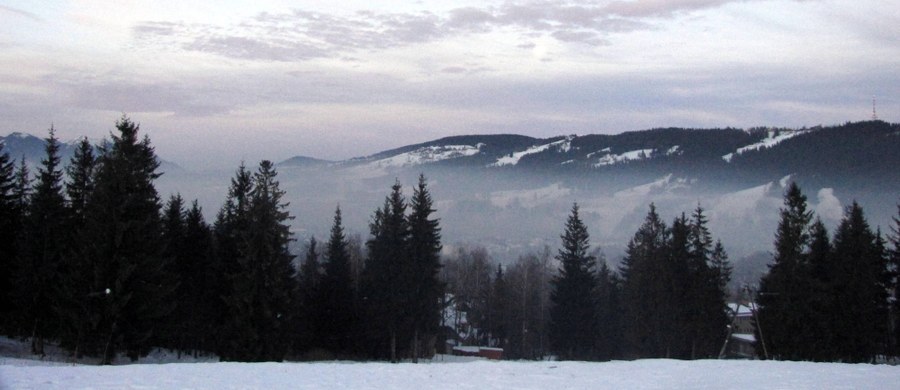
(94, 260)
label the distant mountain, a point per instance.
(863, 153)
(31, 148)
(512, 193)
(304, 161)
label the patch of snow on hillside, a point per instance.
(772, 139)
(428, 154)
(674, 151)
(562, 146)
(529, 198)
(610, 158)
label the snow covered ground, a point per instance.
(642, 374)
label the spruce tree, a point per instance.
(308, 280)
(573, 320)
(129, 291)
(708, 276)
(337, 322)
(200, 281)
(80, 184)
(175, 332)
(41, 250)
(424, 288)
(646, 290)
(75, 273)
(384, 287)
(262, 299)
(610, 339)
(816, 342)
(860, 280)
(684, 276)
(9, 217)
(782, 292)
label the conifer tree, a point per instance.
(262, 299)
(81, 179)
(9, 217)
(781, 292)
(337, 322)
(231, 222)
(175, 332)
(75, 274)
(646, 294)
(815, 343)
(573, 320)
(683, 275)
(610, 338)
(129, 290)
(860, 289)
(384, 289)
(308, 280)
(424, 288)
(41, 249)
(199, 279)
(708, 275)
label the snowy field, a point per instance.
(644, 374)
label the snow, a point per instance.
(611, 158)
(427, 154)
(477, 374)
(563, 146)
(423, 155)
(744, 337)
(675, 150)
(771, 140)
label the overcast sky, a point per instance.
(217, 82)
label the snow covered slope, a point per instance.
(772, 138)
(563, 146)
(484, 375)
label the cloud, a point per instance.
(300, 35)
(20, 13)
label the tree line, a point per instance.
(95, 261)
(829, 299)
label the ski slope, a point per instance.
(482, 375)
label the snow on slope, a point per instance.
(771, 140)
(428, 154)
(423, 155)
(611, 158)
(484, 375)
(563, 146)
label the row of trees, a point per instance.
(95, 262)
(829, 299)
(668, 298)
